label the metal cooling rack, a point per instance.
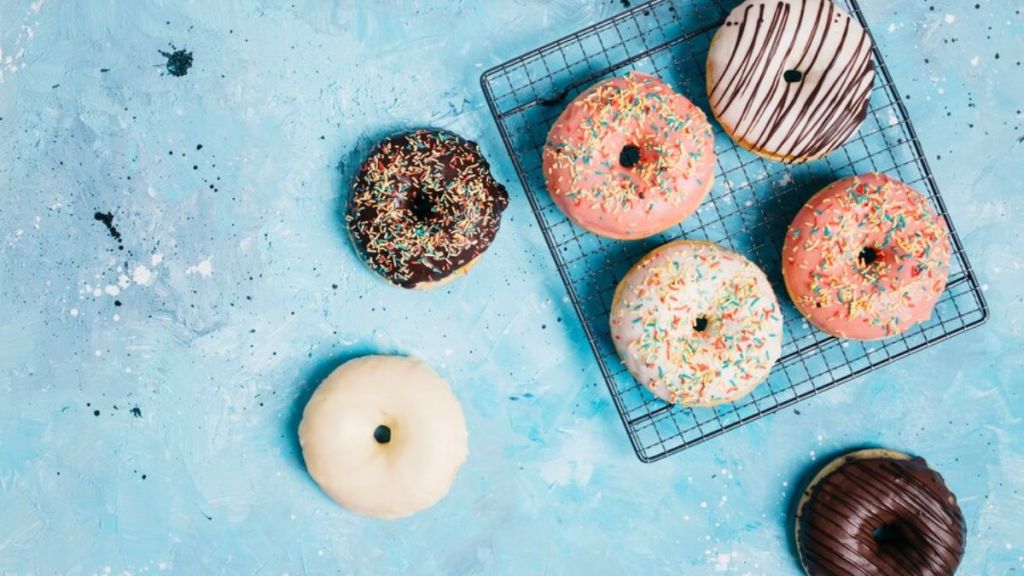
(748, 210)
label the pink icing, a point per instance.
(676, 158)
(827, 270)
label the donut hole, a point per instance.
(700, 323)
(629, 156)
(889, 534)
(382, 434)
(421, 206)
(792, 76)
(867, 256)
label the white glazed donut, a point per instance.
(697, 324)
(384, 436)
(790, 79)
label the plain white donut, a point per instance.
(428, 441)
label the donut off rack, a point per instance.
(751, 204)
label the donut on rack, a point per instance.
(629, 158)
(696, 324)
(866, 258)
(790, 79)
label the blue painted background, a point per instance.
(159, 434)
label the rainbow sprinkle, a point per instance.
(642, 112)
(844, 294)
(698, 324)
(423, 205)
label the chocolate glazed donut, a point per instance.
(423, 207)
(879, 512)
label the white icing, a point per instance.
(428, 441)
(655, 328)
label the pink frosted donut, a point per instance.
(629, 158)
(866, 258)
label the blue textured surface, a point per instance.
(158, 434)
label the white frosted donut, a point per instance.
(697, 324)
(790, 79)
(384, 436)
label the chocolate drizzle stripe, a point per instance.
(830, 123)
(922, 506)
(778, 71)
(750, 96)
(827, 537)
(826, 540)
(935, 511)
(787, 109)
(842, 511)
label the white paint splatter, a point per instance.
(13, 63)
(156, 259)
(112, 290)
(123, 281)
(99, 353)
(204, 268)
(142, 275)
(74, 311)
(975, 61)
(950, 18)
(722, 562)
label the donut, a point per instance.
(790, 80)
(879, 512)
(383, 436)
(629, 158)
(866, 258)
(424, 206)
(697, 324)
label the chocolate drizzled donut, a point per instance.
(790, 79)
(424, 206)
(877, 512)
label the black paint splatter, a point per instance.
(107, 218)
(137, 412)
(178, 61)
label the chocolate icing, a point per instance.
(880, 516)
(423, 205)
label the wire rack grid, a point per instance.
(748, 210)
